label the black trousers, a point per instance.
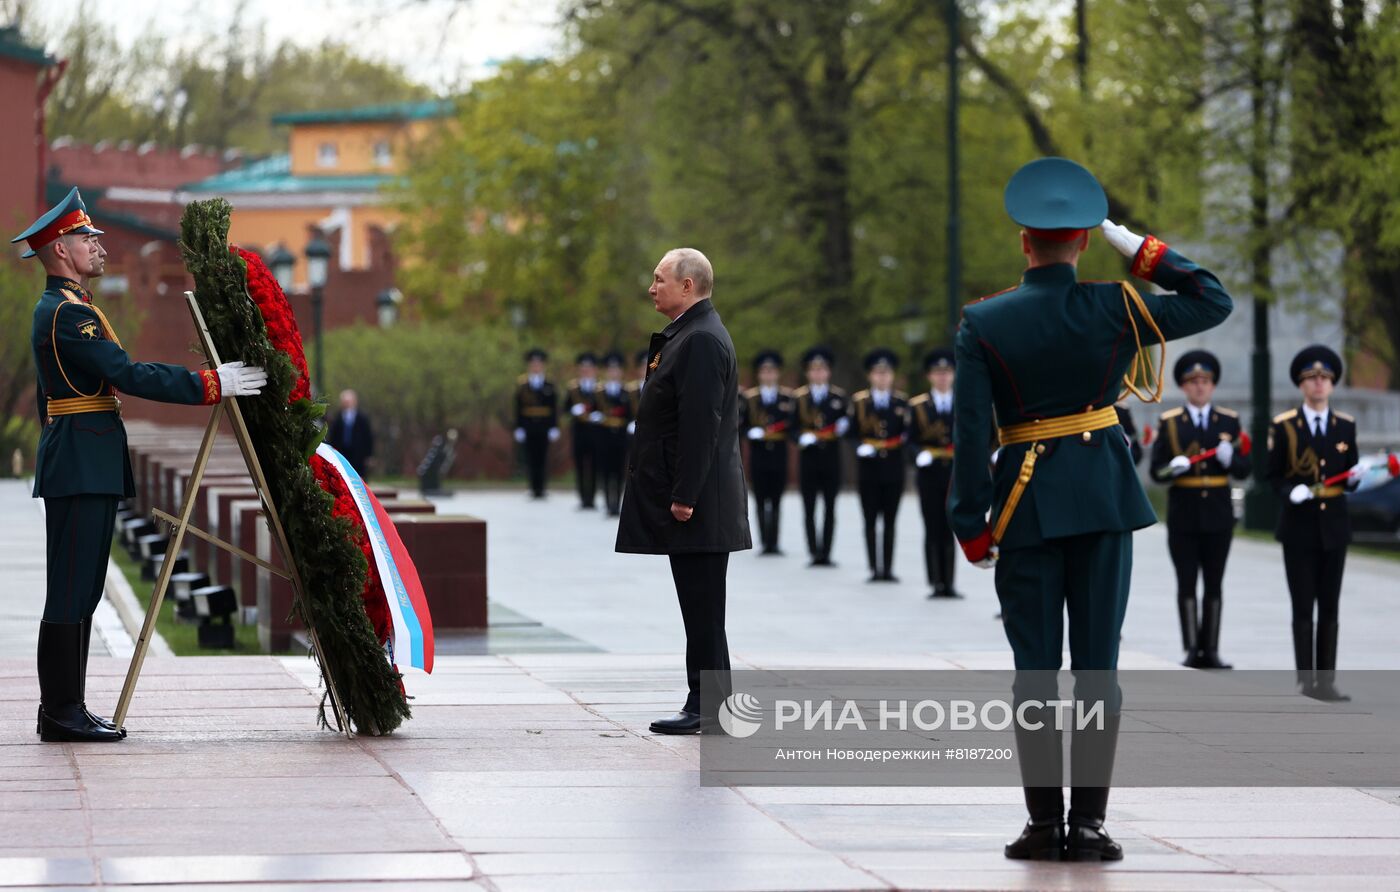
(612, 455)
(79, 541)
(1199, 555)
(938, 535)
(585, 465)
(700, 587)
(819, 477)
(537, 459)
(879, 500)
(1314, 580)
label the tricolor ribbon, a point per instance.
(411, 637)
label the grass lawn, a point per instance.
(183, 639)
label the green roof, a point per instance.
(274, 174)
(12, 46)
(393, 111)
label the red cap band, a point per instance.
(1056, 235)
(59, 228)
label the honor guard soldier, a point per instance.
(1310, 447)
(879, 424)
(1051, 356)
(821, 423)
(536, 419)
(82, 469)
(766, 414)
(1198, 449)
(582, 400)
(931, 437)
(616, 405)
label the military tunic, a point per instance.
(536, 413)
(819, 464)
(82, 468)
(880, 476)
(768, 455)
(585, 439)
(932, 435)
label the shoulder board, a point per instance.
(919, 400)
(836, 391)
(901, 395)
(71, 295)
(994, 294)
(573, 382)
(1344, 416)
(750, 393)
(1171, 413)
(632, 386)
(522, 379)
(1285, 416)
(1228, 413)
(785, 391)
(861, 395)
(802, 391)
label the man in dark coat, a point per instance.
(350, 433)
(685, 495)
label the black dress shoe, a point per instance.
(1038, 842)
(62, 716)
(1211, 660)
(889, 577)
(1089, 842)
(1194, 660)
(682, 722)
(944, 593)
(1324, 690)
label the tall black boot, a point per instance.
(82, 678)
(1303, 655)
(1040, 755)
(1324, 688)
(63, 718)
(1091, 762)
(1210, 636)
(1190, 640)
(828, 527)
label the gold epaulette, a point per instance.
(573, 382)
(1285, 416)
(861, 395)
(1228, 413)
(919, 400)
(522, 379)
(900, 395)
(750, 393)
(835, 391)
(632, 386)
(1171, 413)
(802, 391)
(1344, 416)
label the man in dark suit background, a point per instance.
(685, 495)
(350, 433)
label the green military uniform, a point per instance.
(1044, 362)
(82, 468)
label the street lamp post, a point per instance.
(318, 267)
(283, 265)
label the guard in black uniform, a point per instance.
(582, 400)
(1200, 515)
(536, 419)
(821, 423)
(879, 424)
(616, 405)
(766, 414)
(931, 438)
(1307, 446)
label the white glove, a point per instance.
(1179, 465)
(595, 417)
(990, 560)
(843, 424)
(631, 427)
(553, 434)
(576, 410)
(923, 459)
(1225, 452)
(865, 450)
(1300, 494)
(237, 379)
(1123, 239)
(806, 439)
(520, 435)
(755, 433)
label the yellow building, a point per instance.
(332, 178)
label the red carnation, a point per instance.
(277, 315)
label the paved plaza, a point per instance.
(532, 769)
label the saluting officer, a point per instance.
(616, 405)
(1051, 356)
(582, 400)
(1307, 446)
(931, 419)
(82, 469)
(880, 423)
(1200, 515)
(536, 418)
(821, 423)
(766, 413)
